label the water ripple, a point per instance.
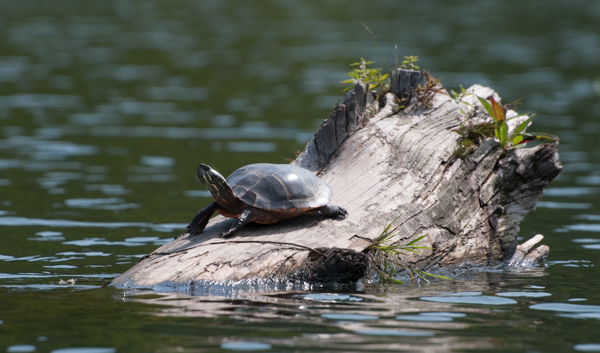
(401, 333)
(566, 307)
(245, 346)
(469, 298)
(23, 221)
(349, 317)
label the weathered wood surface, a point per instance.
(382, 164)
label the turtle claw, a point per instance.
(224, 235)
(193, 229)
(245, 217)
(345, 215)
(200, 221)
(334, 211)
(343, 212)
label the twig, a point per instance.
(377, 44)
(234, 242)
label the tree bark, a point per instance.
(394, 163)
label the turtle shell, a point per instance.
(278, 187)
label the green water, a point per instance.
(107, 107)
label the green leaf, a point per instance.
(487, 106)
(502, 133)
(432, 275)
(395, 281)
(522, 126)
(517, 140)
(542, 136)
(416, 240)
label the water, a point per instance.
(107, 107)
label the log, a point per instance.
(385, 161)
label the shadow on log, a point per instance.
(383, 163)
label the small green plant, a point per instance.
(409, 62)
(373, 77)
(459, 95)
(384, 256)
(516, 137)
(472, 134)
(379, 84)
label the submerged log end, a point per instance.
(524, 256)
(500, 187)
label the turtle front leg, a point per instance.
(245, 217)
(200, 221)
(333, 211)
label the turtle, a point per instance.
(263, 193)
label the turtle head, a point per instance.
(209, 176)
(217, 185)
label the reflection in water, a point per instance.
(431, 317)
(564, 205)
(100, 204)
(85, 350)
(340, 320)
(242, 132)
(245, 346)
(128, 242)
(21, 348)
(470, 299)
(565, 307)
(349, 317)
(524, 294)
(571, 191)
(379, 332)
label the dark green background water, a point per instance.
(107, 107)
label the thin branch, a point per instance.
(234, 242)
(377, 44)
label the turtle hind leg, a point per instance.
(247, 216)
(333, 211)
(200, 221)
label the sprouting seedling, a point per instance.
(362, 73)
(458, 95)
(409, 62)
